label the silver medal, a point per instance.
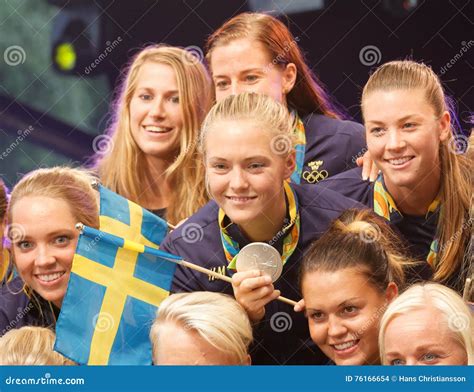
(260, 256)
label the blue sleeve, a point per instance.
(356, 144)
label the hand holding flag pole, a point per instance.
(135, 246)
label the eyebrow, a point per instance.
(399, 120)
(341, 304)
(418, 349)
(260, 69)
(169, 92)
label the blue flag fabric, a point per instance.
(118, 279)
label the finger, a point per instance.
(359, 161)
(261, 302)
(374, 172)
(300, 306)
(239, 277)
(253, 284)
(366, 167)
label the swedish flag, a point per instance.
(118, 279)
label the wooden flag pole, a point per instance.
(216, 275)
(133, 246)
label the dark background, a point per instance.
(68, 110)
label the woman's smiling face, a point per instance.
(343, 309)
(44, 249)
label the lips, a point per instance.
(50, 278)
(241, 199)
(399, 161)
(346, 348)
(157, 129)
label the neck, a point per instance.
(266, 227)
(156, 189)
(415, 201)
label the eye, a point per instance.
(430, 357)
(145, 97)
(377, 131)
(251, 78)
(218, 166)
(62, 240)
(254, 166)
(174, 99)
(409, 125)
(396, 362)
(350, 309)
(317, 316)
(24, 245)
(221, 84)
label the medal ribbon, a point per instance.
(300, 147)
(231, 247)
(385, 206)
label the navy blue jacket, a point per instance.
(17, 310)
(283, 336)
(417, 232)
(337, 143)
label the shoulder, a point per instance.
(321, 200)
(332, 126)
(198, 238)
(350, 184)
(14, 304)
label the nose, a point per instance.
(395, 140)
(157, 108)
(238, 180)
(335, 327)
(44, 258)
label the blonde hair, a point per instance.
(4, 259)
(72, 185)
(455, 312)
(216, 317)
(454, 226)
(257, 108)
(359, 239)
(30, 346)
(308, 94)
(124, 169)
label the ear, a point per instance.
(391, 292)
(445, 126)
(289, 77)
(290, 164)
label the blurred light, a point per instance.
(65, 57)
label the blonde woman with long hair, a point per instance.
(151, 156)
(425, 186)
(247, 176)
(44, 207)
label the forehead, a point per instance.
(424, 323)
(238, 55)
(330, 288)
(390, 104)
(154, 74)
(237, 136)
(39, 212)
